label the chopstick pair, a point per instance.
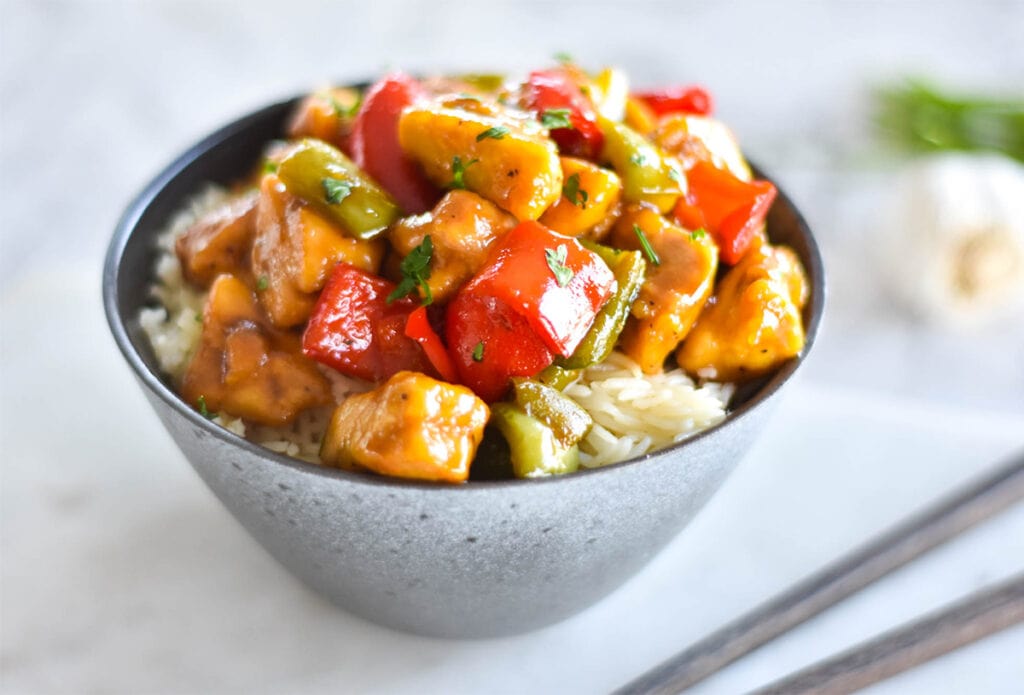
(978, 615)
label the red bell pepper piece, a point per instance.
(550, 279)
(554, 89)
(375, 145)
(730, 209)
(354, 330)
(490, 343)
(537, 294)
(691, 99)
(419, 329)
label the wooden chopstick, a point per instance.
(978, 615)
(950, 516)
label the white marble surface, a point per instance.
(119, 571)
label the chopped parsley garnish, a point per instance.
(201, 401)
(556, 261)
(199, 317)
(478, 352)
(563, 57)
(459, 171)
(262, 283)
(415, 270)
(336, 105)
(342, 110)
(555, 118)
(335, 190)
(573, 193)
(698, 234)
(497, 132)
(648, 251)
(270, 167)
(637, 159)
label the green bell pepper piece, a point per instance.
(534, 449)
(629, 268)
(332, 183)
(649, 175)
(564, 416)
(485, 82)
(557, 377)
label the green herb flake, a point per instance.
(573, 193)
(415, 271)
(496, 132)
(556, 261)
(563, 57)
(459, 172)
(270, 167)
(340, 109)
(698, 234)
(199, 317)
(478, 352)
(674, 174)
(555, 118)
(262, 283)
(335, 190)
(648, 251)
(201, 402)
(637, 159)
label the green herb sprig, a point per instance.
(917, 116)
(335, 190)
(573, 193)
(201, 402)
(556, 261)
(459, 171)
(649, 251)
(496, 132)
(340, 109)
(555, 118)
(415, 272)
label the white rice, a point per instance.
(633, 413)
(175, 325)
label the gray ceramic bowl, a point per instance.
(480, 559)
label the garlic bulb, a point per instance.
(954, 236)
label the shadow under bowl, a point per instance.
(476, 560)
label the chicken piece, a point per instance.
(219, 241)
(590, 199)
(412, 426)
(327, 115)
(701, 138)
(246, 368)
(462, 228)
(275, 257)
(324, 245)
(675, 289)
(294, 251)
(508, 159)
(753, 324)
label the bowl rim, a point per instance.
(128, 223)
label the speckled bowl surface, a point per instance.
(480, 559)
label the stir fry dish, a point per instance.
(424, 262)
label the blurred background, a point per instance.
(120, 572)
